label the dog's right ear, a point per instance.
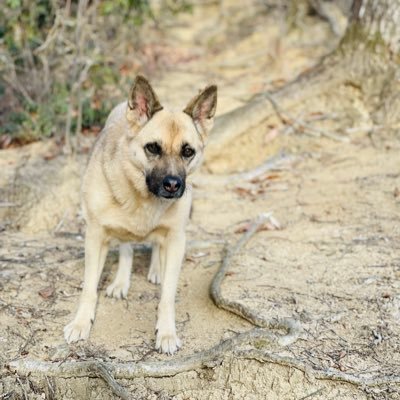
(142, 103)
(202, 110)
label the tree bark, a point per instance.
(379, 20)
(367, 57)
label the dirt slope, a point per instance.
(334, 265)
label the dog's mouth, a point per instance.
(171, 195)
(169, 187)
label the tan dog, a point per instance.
(135, 189)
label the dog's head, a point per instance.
(167, 145)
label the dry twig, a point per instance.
(288, 119)
(22, 387)
(102, 372)
(312, 394)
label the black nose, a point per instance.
(172, 183)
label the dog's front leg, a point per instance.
(120, 286)
(171, 252)
(154, 275)
(96, 249)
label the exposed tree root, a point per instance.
(355, 66)
(102, 372)
(130, 370)
(109, 371)
(321, 78)
(296, 123)
(278, 161)
(208, 358)
(325, 374)
(291, 326)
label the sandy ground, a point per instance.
(334, 264)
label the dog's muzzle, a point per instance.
(169, 187)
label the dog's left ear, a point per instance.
(202, 109)
(142, 103)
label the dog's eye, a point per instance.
(153, 148)
(187, 152)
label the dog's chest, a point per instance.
(137, 223)
(147, 217)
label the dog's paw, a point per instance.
(118, 290)
(77, 330)
(167, 343)
(154, 276)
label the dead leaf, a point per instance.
(271, 135)
(5, 141)
(50, 156)
(266, 177)
(46, 292)
(272, 224)
(242, 191)
(243, 228)
(275, 223)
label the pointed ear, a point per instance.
(142, 103)
(202, 109)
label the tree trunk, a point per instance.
(370, 50)
(367, 57)
(378, 21)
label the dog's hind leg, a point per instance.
(119, 288)
(154, 275)
(96, 248)
(172, 252)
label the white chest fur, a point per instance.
(136, 222)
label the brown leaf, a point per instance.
(50, 156)
(246, 226)
(342, 354)
(5, 141)
(46, 292)
(243, 191)
(243, 228)
(270, 136)
(272, 224)
(266, 177)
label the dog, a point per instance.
(135, 189)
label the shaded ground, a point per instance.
(334, 265)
